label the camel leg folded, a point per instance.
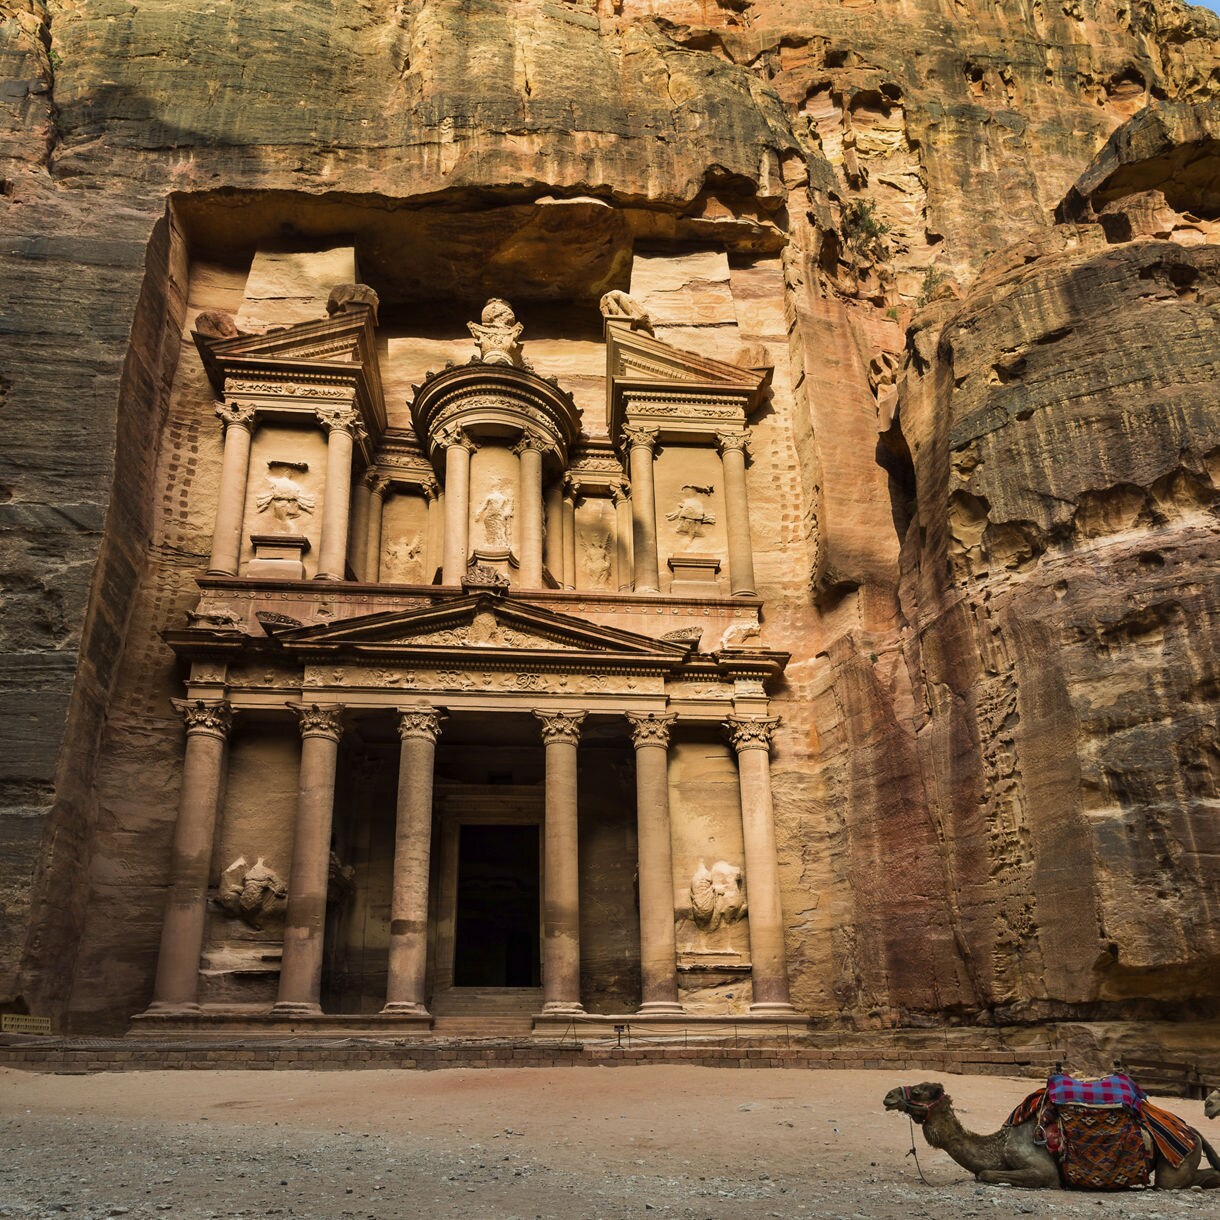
(1033, 1178)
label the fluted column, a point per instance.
(553, 546)
(231, 493)
(751, 738)
(734, 446)
(529, 513)
(357, 543)
(341, 424)
(372, 550)
(620, 494)
(434, 525)
(207, 731)
(571, 493)
(658, 944)
(641, 442)
(418, 727)
(305, 920)
(561, 889)
(458, 448)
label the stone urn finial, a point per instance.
(498, 334)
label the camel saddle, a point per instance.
(1096, 1130)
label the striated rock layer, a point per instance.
(990, 539)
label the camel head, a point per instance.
(1211, 1104)
(917, 1100)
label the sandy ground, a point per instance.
(566, 1142)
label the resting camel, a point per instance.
(1010, 1157)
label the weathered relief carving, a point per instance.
(220, 618)
(402, 559)
(684, 635)
(495, 515)
(481, 576)
(498, 335)
(289, 389)
(739, 635)
(717, 896)
(286, 500)
(691, 514)
(251, 892)
(598, 564)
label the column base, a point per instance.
(660, 1008)
(562, 1008)
(744, 593)
(169, 1008)
(291, 1008)
(774, 1009)
(405, 1008)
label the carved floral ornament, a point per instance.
(751, 732)
(561, 726)
(320, 720)
(420, 722)
(452, 435)
(339, 419)
(289, 389)
(640, 438)
(239, 414)
(740, 441)
(650, 728)
(201, 716)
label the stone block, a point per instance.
(287, 286)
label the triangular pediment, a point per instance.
(480, 624)
(636, 356)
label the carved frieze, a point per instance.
(290, 389)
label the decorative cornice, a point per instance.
(320, 719)
(236, 414)
(200, 716)
(561, 726)
(423, 723)
(751, 732)
(650, 728)
(734, 440)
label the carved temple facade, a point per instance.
(477, 717)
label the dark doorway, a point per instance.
(497, 907)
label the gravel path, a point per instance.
(575, 1142)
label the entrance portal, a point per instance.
(497, 924)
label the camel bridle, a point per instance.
(919, 1110)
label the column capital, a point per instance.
(235, 414)
(431, 489)
(530, 440)
(379, 486)
(571, 486)
(453, 436)
(726, 441)
(640, 438)
(320, 719)
(620, 492)
(214, 718)
(561, 726)
(336, 418)
(421, 722)
(650, 728)
(751, 732)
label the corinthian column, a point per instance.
(434, 527)
(207, 731)
(619, 493)
(458, 449)
(658, 944)
(529, 516)
(554, 531)
(418, 727)
(357, 543)
(571, 493)
(751, 738)
(305, 920)
(231, 494)
(341, 425)
(733, 449)
(372, 551)
(641, 442)
(561, 889)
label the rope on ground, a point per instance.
(915, 1154)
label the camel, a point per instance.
(1009, 1156)
(1211, 1104)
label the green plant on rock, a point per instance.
(864, 232)
(933, 278)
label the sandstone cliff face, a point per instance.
(998, 776)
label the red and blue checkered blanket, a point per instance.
(1116, 1090)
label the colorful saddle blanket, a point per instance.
(1103, 1149)
(1116, 1090)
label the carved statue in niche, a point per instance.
(403, 559)
(251, 892)
(691, 515)
(496, 516)
(286, 500)
(618, 304)
(598, 564)
(499, 334)
(716, 895)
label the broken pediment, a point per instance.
(484, 622)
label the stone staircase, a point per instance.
(485, 1012)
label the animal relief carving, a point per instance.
(717, 896)
(251, 892)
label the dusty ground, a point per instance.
(567, 1142)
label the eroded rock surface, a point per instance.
(997, 776)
